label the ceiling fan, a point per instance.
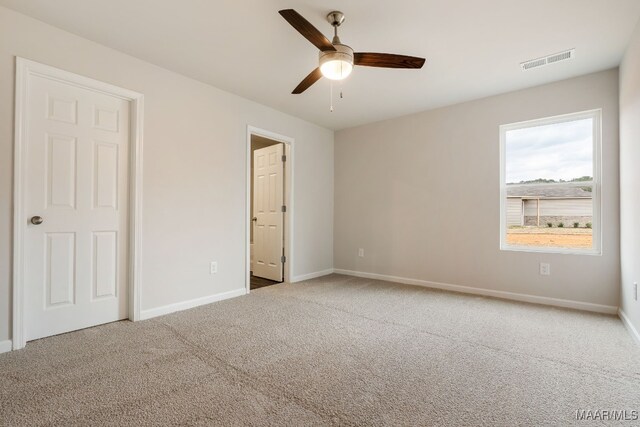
(337, 59)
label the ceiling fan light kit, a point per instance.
(336, 60)
(338, 64)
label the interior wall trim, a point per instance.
(534, 299)
(192, 303)
(627, 324)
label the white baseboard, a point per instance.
(627, 323)
(578, 305)
(185, 305)
(311, 275)
(5, 346)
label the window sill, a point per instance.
(546, 250)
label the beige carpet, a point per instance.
(334, 350)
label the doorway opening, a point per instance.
(269, 172)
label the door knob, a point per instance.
(254, 219)
(36, 220)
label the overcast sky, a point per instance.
(558, 151)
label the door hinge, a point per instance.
(284, 208)
(283, 259)
(284, 157)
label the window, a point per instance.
(550, 184)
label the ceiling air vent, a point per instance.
(551, 59)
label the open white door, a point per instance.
(76, 208)
(268, 201)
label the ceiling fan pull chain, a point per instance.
(331, 97)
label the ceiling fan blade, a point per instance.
(305, 28)
(305, 84)
(387, 60)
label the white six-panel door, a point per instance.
(268, 199)
(76, 181)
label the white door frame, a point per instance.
(24, 69)
(288, 201)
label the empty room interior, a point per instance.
(319, 213)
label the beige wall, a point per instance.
(514, 211)
(630, 177)
(559, 207)
(404, 189)
(194, 169)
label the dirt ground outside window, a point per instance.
(580, 238)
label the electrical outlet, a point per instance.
(635, 291)
(361, 252)
(213, 268)
(545, 268)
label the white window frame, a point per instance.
(596, 116)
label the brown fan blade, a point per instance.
(387, 60)
(305, 84)
(305, 28)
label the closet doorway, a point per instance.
(269, 159)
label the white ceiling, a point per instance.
(473, 48)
